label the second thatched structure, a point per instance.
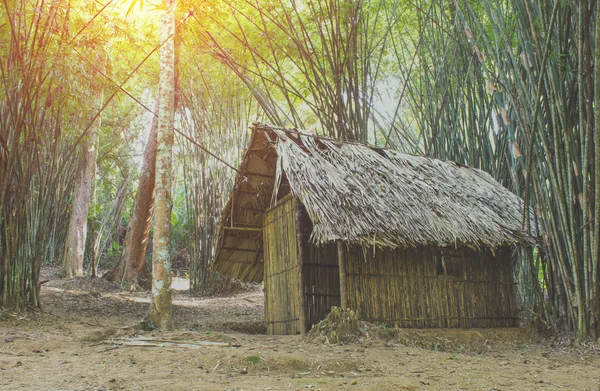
(401, 239)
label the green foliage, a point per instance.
(315, 63)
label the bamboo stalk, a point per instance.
(343, 279)
(299, 244)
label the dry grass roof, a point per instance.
(362, 195)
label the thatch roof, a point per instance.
(362, 195)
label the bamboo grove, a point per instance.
(215, 119)
(49, 55)
(509, 87)
(35, 162)
(506, 86)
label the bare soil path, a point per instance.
(68, 347)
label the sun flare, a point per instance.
(138, 10)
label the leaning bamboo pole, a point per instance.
(300, 260)
(342, 266)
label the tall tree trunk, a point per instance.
(75, 244)
(596, 178)
(110, 223)
(131, 269)
(160, 307)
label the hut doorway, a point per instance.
(321, 275)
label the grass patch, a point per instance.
(253, 359)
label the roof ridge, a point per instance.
(262, 126)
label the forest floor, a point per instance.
(81, 341)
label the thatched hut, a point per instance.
(407, 240)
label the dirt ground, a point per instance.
(81, 342)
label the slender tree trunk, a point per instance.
(75, 244)
(92, 232)
(131, 269)
(110, 223)
(596, 232)
(160, 307)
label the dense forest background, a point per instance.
(506, 86)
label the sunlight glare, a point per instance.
(138, 10)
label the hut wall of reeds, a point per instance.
(401, 239)
(432, 287)
(284, 308)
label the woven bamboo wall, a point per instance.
(428, 287)
(284, 312)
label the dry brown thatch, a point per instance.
(362, 195)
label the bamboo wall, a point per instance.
(284, 312)
(412, 288)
